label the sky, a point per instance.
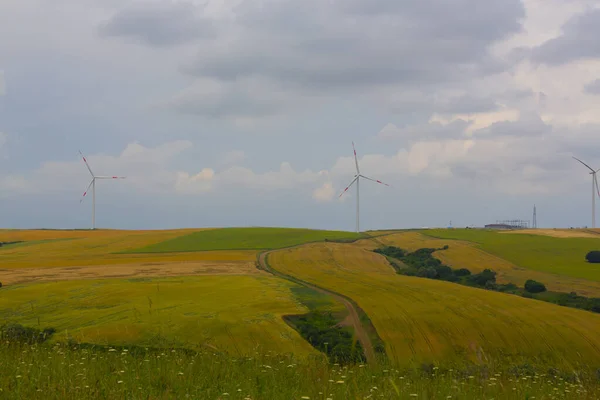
(243, 112)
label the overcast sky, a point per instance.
(243, 112)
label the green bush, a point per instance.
(428, 272)
(462, 272)
(593, 256)
(16, 333)
(481, 279)
(323, 333)
(534, 286)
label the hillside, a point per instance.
(422, 320)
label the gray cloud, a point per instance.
(159, 24)
(592, 87)
(528, 125)
(579, 40)
(325, 46)
(225, 100)
(429, 131)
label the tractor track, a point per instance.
(353, 316)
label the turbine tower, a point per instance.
(357, 180)
(595, 190)
(93, 185)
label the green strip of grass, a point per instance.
(246, 239)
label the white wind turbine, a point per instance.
(357, 180)
(93, 185)
(595, 190)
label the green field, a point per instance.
(236, 314)
(562, 256)
(244, 239)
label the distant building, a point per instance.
(500, 226)
(509, 224)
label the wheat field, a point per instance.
(239, 315)
(423, 320)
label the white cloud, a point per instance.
(199, 183)
(325, 193)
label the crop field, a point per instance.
(423, 320)
(50, 249)
(234, 314)
(559, 233)
(463, 254)
(561, 256)
(244, 239)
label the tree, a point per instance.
(487, 275)
(462, 272)
(593, 256)
(428, 272)
(534, 286)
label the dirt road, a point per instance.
(354, 319)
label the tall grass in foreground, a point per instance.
(71, 372)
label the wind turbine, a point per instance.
(357, 180)
(93, 186)
(595, 190)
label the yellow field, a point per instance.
(423, 320)
(236, 314)
(559, 233)
(84, 248)
(462, 254)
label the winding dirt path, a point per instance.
(353, 317)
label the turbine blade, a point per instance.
(374, 180)
(348, 187)
(597, 188)
(110, 177)
(86, 163)
(355, 159)
(590, 168)
(86, 190)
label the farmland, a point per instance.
(237, 314)
(557, 255)
(49, 249)
(200, 290)
(464, 254)
(244, 239)
(429, 321)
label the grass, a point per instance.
(431, 321)
(70, 372)
(561, 256)
(245, 239)
(464, 254)
(235, 314)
